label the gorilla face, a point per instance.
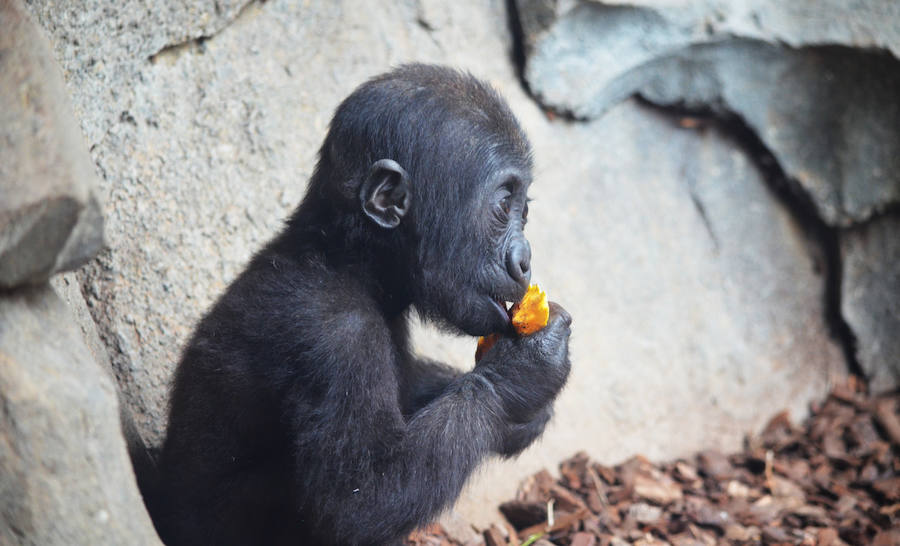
(474, 257)
(478, 261)
(506, 255)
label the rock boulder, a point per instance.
(65, 475)
(50, 219)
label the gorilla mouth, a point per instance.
(503, 299)
(502, 306)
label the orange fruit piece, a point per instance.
(528, 316)
(484, 345)
(532, 313)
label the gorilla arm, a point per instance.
(423, 380)
(361, 467)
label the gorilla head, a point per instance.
(441, 167)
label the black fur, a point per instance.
(298, 414)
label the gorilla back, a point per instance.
(298, 413)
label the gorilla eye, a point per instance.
(525, 211)
(504, 204)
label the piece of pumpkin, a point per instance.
(532, 313)
(484, 345)
(528, 316)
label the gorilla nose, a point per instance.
(518, 262)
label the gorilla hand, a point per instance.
(527, 373)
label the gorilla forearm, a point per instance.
(422, 381)
(393, 486)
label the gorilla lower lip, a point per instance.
(503, 306)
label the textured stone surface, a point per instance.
(65, 476)
(870, 297)
(49, 218)
(68, 288)
(828, 114)
(102, 45)
(866, 25)
(827, 111)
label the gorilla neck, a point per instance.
(346, 245)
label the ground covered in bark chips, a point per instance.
(833, 481)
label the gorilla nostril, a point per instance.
(525, 271)
(519, 262)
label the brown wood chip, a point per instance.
(833, 481)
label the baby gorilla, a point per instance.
(299, 414)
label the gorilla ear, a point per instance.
(385, 193)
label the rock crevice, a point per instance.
(196, 43)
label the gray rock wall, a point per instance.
(50, 219)
(869, 289)
(826, 110)
(719, 267)
(65, 474)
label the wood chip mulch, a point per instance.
(833, 481)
